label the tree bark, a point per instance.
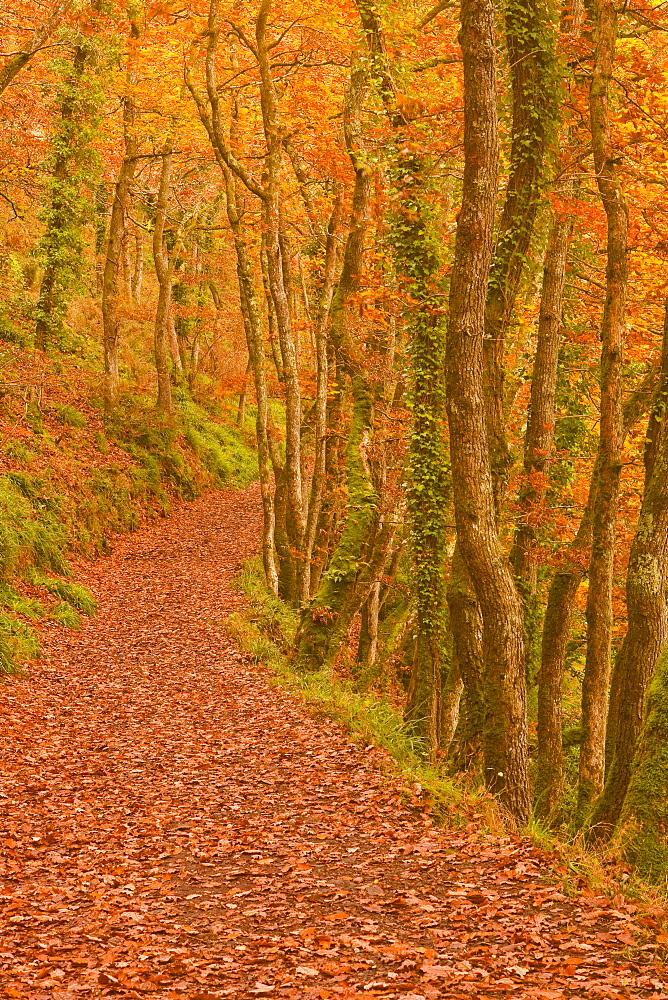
(529, 41)
(163, 270)
(110, 320)
(647, 611)
(319, 476)
(644, 820)
(277, 265)
(474, 501)
(609, 458)
(539, 435)
(467, 652)
(61, 244)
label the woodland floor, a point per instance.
(175, 827)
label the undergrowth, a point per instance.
(72, 479)
(266, 631)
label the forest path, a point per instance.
(175, 827)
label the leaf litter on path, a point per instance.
(174, 826)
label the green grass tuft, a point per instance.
(18, 642)
(75, 595)
(65, 615)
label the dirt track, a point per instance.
(175, 827)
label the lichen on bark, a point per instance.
(644, 822)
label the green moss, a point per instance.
(11, 333)
(70, 416)
(101, 443)
(644, 822)
(221, 449)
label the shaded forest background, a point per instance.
(416, 258)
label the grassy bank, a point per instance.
(72, 476)
(266, 631)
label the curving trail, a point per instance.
(174, 827)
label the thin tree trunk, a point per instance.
(609, 458)
(173, 340)
(163, 270)
(320, 623)
(243, 395)
(539, 435)
(253, 329)
(110, 320)
(277, 263)
(647, 629)
(538, 446)
(138, 269)
(319, 477)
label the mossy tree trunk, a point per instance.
(428, 483)
(529, 36)
(320, 625)
(563, 589)
(644, 817)
(647, 611)
(538, 444)
(417, 260)
(467, 654)
(163, 269)
(530, 47)
(35, 43)
(62, 246)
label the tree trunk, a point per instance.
(475, 511)
(62, 240)
(110, 320)
(467, 652)
(609, 458)
(319, 625)
(276, 267)
(253, 329)
(647, 611)
(163, 270)
(138, 269)
(539, 435)
(319, 477)
(530, 45)
(243, 395)
(644, 820)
